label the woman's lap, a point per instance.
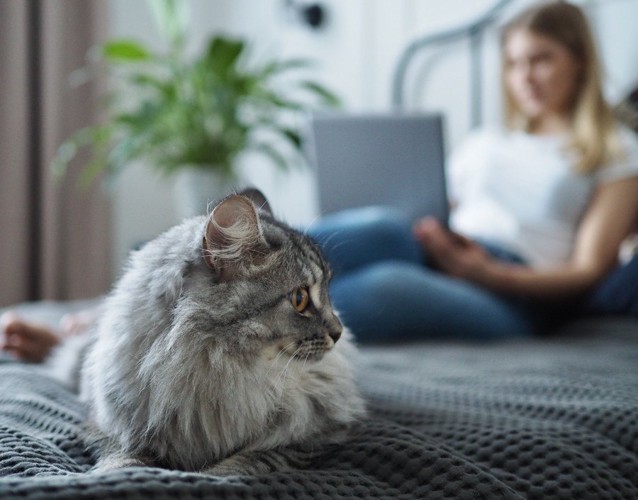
(384, 291)
(394, 300)
(356, 238)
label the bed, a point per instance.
(555, 417)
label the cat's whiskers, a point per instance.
(282, 374)
(287, 365)
(312, 223)
(305, 360)
(338, 245)
(280, 353)
(325, 242)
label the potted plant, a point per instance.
(194, 117)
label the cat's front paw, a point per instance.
(223, 469)
(114, 462)
(241, 464)
(256, 462)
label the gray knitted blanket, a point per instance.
(549, 418)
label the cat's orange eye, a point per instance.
(300, 298)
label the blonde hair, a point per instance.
(594, 138)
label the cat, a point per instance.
(218, 350)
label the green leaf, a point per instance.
(322, 92)
(171, 110)
(125, 51)
(274, 154)
(171, 17)
(65, 153)
(274, 100)
(292, 136)
(91, 171)
(222, 54)
(276, 67)
(123, 152)
(70, 148)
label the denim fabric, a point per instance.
(618, 293)
(356, 238)
(384, 291)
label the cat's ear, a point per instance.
(258, 198)
(233, 234)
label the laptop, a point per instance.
(391, 159)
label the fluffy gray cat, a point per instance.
(219, 351)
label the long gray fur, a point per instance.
(200, 362)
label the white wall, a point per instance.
(356, 54)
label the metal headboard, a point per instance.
(473, 31)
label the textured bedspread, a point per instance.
(551, 418)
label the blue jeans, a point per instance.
(384, 289)
(617, 294)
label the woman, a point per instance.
(539, 208)
(540, 211)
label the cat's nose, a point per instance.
(334, 327)
(335, 334)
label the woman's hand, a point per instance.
(607, 221)
(454, 254)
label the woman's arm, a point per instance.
(606, 223)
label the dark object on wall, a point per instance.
(313, 15)
(310, 14)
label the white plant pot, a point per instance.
(197, 188)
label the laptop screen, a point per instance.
(394, 160)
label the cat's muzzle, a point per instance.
(335, 334)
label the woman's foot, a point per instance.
(24, 340)
(77, 323)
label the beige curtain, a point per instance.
(54, 238)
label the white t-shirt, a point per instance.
(518, 190)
